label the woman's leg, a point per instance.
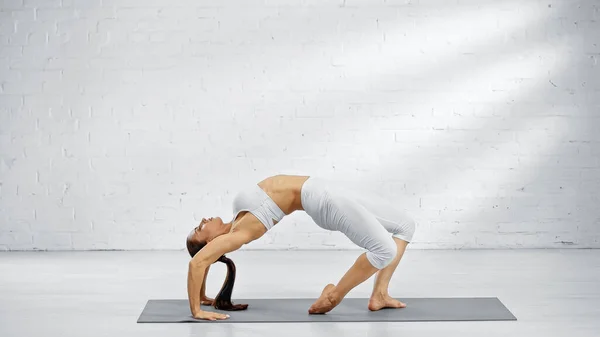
(402, 228)
(363, 229)
(332, 295)
(380, 298)
(395, 220)
(358, 273)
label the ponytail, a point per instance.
(223, 298)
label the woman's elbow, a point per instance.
(198, 263)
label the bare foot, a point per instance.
(378, 302)
(325, 303)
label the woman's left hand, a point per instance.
(207, 301)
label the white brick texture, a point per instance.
(123, 123)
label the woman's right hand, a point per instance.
(211, 316)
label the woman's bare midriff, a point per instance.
(285, 191)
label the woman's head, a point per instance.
(193, 244)
(206, 231)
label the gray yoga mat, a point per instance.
(350, 310)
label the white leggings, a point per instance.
(366, 220)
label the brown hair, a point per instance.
(223, 298)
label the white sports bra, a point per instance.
(257, 202)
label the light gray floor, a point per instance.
(552, 292)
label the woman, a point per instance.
(374, 225)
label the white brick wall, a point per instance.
(122, 123)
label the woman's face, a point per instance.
(208, 229)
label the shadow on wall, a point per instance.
(223, 69)
(215, 83)
(548, 160)
(505, 132)
(514, 126)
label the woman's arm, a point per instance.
(203, 259)
(203, 298)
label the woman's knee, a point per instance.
(408, 230)
(384, 254)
